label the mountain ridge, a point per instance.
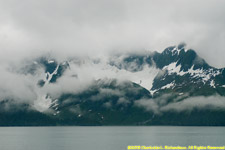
(130, 89)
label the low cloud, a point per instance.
(148, 105)
(161, 105)
(16, 86)
(201, 102)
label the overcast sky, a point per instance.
(71, 27)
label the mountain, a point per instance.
(181, 71)
(175, 87)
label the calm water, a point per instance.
(106, 138)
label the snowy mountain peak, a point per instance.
(175, 70)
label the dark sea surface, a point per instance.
(107, 138)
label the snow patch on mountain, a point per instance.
(212, 84)
(175, 51)
(168, 86)
(153, 91)
(173, 68)
(205, 75)
(144, 77)
(51, 61)
(50, 75)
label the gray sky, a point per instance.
(72, 27)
